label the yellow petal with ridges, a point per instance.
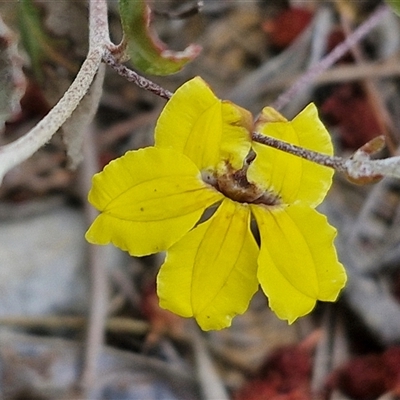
(211, 273)
(237, 124)
(292, 178)
(298, 264)
(207, 130)
(148, 200)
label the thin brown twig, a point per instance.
(134, 77)
(337, 163)
(330, 59)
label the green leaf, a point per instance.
(32, 34)
(395, 4)
(144, 48)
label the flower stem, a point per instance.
(357, 168)
(337, 163)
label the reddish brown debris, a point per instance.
(348, 108)
(284, 29)
(33, 103)
(285, 375)
(368, 377)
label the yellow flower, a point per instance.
(195, 195)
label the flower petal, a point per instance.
(149, 199)
(196, 123)
(298, 264)
(211, 273)
(292, 178)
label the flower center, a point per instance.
(234, 185)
